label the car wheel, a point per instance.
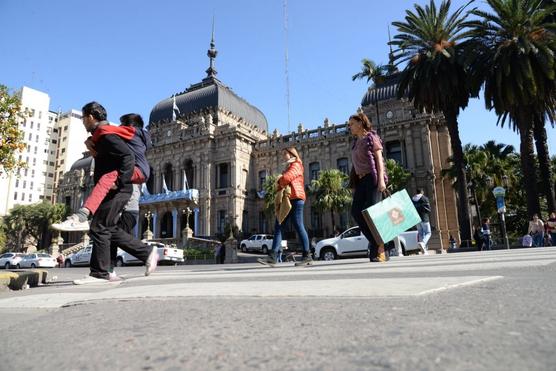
(243, 248)
(67, 264)
(7, 266)
(328, 254)
(265, 249)
(119, 262)
(33, 265)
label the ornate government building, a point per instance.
(213, 150)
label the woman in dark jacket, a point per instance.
(368, 177)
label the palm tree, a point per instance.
(512, 52)
(269, 189)
(435, 79)
(331, 193)
(398, 176)
(370, 70)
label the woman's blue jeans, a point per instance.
(538, 239)
(296, 216)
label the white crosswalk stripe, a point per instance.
(409, 276)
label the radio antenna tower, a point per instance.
(286, 60)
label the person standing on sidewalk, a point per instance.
(292, 176)
(423, 206)
(485, 232)
(112, 154)
(368, 177)
(551, 228)
(536, 230)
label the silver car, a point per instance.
(37, 261)
(10, 259)
(352, 243)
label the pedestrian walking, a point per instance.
(294, 178)
(536, 230)
(112, 155)
(423, 206)
(551, 228)
(367, 178)
(60, 260)
(477, 236)
(131, 130)
(485, 232)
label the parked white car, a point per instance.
(10, 259)
(169, 254)
(37, 261)
(352, 243)
(260, 243)
(79, 258)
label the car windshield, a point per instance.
(351, 233)
(44, 256)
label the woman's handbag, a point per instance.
(391, 217)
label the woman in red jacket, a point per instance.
(292, 176)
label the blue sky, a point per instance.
(129, 55)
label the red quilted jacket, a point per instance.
(294, 177)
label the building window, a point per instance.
(30, 197)
(38, 126)
(36, 149)
(263, 224)
(168, 177)
(25, 172)
(15, 196)
(63, 150)
(37, 138)
(221, 223)
(31, 126)
(316, 222)
(64, 139)
(23, 197)
(394, 151)
(31, 185)
(342, 165)
(32, 173)
(17, 183)
(314, 170)
(24, 184)
(223, 176)
(30, 136)
(28, 148)
(189, 173)
(24, 123)
(262, 178)
(54, 141)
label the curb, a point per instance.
(19, 279)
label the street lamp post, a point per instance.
(499, 193)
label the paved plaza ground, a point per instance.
(469, 311)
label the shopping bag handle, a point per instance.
(386, 193)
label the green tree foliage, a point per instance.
(11, 138)
(269, 188)
(31, 222)
(369, 70)
(331, 193)
(512, 56)
(398, 176)
(434, 77)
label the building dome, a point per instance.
(210, 93)
(84, 163)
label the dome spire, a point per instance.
(211, 53)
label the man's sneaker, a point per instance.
(268, 260)
(305, 261)
(423, 248)
(113, 277)
(91, 280)
(72, 223)
(152, 261)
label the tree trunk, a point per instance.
(333, 222)
(528, 167)
(539, 132)
(459, 164)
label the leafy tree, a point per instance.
(27, 223)
(331, 193)
(11, 138)
(512, 52)
(269, 188)
(434, 77)
(398, 176)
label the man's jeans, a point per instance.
(424, 232)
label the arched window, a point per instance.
(342, 165)
(169, 176)
(189, 173)
(314, 170)
(166, 227)
(150, 182)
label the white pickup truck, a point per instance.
(166, 253)
(259, 242)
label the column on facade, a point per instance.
(155, 224)
(174, 223)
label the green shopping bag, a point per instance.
(391, 217)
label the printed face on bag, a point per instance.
(396, 216)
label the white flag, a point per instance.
(185, 185)
(175, 110)
(164, 186)
(145, 190)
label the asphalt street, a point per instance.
(468, 311)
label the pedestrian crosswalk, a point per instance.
(401, 276)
